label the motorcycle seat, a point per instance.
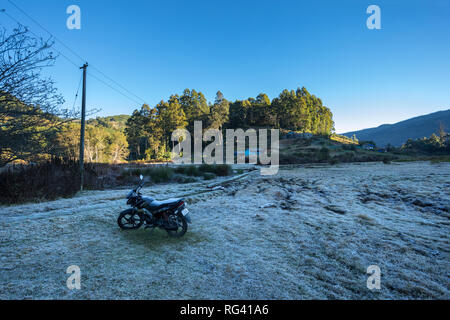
(156, 205)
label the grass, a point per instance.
(440, 159)
(59, 178)
(209, 176)
(333, 150)
(432, 159)
(54, 179)
(157, 174)
(387, 160)
(343, 139)
(220, 170)
(190, 170)
(207, 171)
(163, 174)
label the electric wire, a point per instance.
(139, 100)
(78, 90)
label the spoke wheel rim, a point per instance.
(130, 220)
(178, 221)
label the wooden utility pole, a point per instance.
(83, 125)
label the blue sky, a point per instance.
(158, 48)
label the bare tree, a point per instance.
(30, 106)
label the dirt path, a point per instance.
(319, 231)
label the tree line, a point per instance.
(149, 130)
(103, 143)
(434, 145)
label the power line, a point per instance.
(78, 90)
(78, 56)
(107, 84)
(42, 27)
(118, 84)
(74, 52)
(72, 62)
(28, 29)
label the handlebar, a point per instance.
(141, 184)
(139, 187)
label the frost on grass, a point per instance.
(323, 228)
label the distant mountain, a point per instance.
(398, 133)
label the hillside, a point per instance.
(336, 149)
(398, 133)
(112, 122)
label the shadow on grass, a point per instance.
(159, 240)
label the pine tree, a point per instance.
(170, 117)
(220, 111)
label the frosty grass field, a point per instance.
(319, 230)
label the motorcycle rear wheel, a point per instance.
(130, 220)
(180, 220)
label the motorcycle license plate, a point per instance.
(185, 212)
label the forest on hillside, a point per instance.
(149, 130)
(145, 135)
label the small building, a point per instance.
(368, 146)
(297, 135)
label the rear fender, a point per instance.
(188, 218)
(179, 211)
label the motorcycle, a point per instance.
(170, 215)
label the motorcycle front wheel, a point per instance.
(181, 223)
(130, 220)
